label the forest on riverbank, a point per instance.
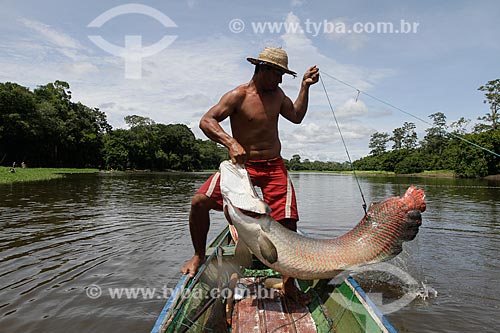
(456, 151)
(468, 153)
(45, 128)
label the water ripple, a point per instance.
(131, 230)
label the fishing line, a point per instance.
(292, 322)
(345, 146)
(409, 114)
(339, 314)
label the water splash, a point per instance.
(401, 278)
(426, 292)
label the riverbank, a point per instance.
(427, 173)
(434, 173)
(37, 174)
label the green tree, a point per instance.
(17, 122)
(466, 161)
(45, 128)
(370, 162)
(178, 143)
(294, 163)
(404, 137)
(492, 93)
(115, 152)
(69, 134)
(391, 159)
(138, 121)
(378, 143)
(410, 164)
(211, 154)
(435, 139)
(143, 145)
(409, 136)
(397, 137)
(459, 126)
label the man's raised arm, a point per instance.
(295, 112)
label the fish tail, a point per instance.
(414, 199)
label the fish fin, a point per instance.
(242, 254)
(267, 249)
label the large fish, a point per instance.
(377, 237)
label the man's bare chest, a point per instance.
(259, 109)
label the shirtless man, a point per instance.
(253, 109)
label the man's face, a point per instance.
(272, 77)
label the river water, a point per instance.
(61, 239)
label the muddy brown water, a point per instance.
(61, 239)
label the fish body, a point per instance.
(377, 237)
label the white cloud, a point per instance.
(341, 30)
(352, 108)
(40, 53)
(315, 140)
(64, 43)
(318, 135)
(178, 85)
(297, 3)
(183, 81)
(80, 68)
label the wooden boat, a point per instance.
(224, 297)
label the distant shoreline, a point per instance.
(38, 174)
(23, 175)
(429, 174)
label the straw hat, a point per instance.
(275, 57)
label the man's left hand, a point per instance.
(311, 76)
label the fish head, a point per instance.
(398, 215)
(245, 224)
(253, 230)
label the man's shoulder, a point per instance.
(281, 92)
(238, 93)
(241, 90)
(233, 97)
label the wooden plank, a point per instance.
(301, 316)
(277, 320)
(246, 317)
(273, 314)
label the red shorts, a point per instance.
(272, 178)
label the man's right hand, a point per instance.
(192, 265)
(237, 153)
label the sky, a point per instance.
(171, 61)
